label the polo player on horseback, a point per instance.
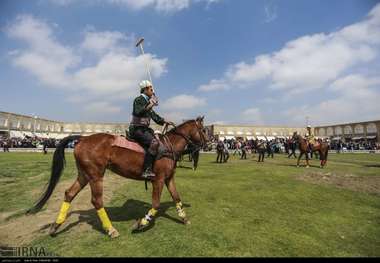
(139, 127)
(310, 138)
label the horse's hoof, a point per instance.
(113, 233)
(138, 225)
(53, 229)
(186, 221)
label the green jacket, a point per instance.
(139, 110)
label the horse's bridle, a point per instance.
(188, 140)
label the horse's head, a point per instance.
(193, 132)
(198, 134)
(295, 136)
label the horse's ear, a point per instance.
(200, 118)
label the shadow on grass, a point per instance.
(130, 210)
(184, 167)
(16, 214)
(295, 165)
(372, 165)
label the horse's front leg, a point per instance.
(170, 184)
(307, 160)
(195, 160)
(299, 158)
(156, 196)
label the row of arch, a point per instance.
(31, 125)
(91, 128)
(11, 121)
(347, 130)
(249, 131)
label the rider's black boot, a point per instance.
(148, 163)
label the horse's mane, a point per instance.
(299, 136)
(179, 126)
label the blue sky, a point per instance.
(262, 62)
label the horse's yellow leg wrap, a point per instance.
(152, 212)
(106, 222)
(180, 211)
(63, 213)
(148, 217)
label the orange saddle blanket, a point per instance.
(121, 141)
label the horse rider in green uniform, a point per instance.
(139, 127)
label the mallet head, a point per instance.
(139, 41)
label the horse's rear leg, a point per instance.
(195, 160)
(324, 159)
(70, 194)
(170, 184)
(156, 196)
(97, 201)
(321, 157)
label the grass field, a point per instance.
(239, 208)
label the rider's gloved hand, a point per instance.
(153, 101)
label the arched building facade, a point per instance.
(17, 125)
(253, 132)
(368, 130)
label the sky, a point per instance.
(262, 62)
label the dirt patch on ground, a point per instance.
(368, 184)
(23, 229)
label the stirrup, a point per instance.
(148, 173)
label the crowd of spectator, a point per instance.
(28, 142)
(354, 145)
(237, 146)
(280, 145)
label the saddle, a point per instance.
(130, 144)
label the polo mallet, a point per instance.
(140, 44)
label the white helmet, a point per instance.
(145, 83)
(308, 126)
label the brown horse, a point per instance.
(95, 153)
(322, 148)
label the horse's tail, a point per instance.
(56, 172)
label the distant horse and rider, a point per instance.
(309, 145)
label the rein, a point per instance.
(186, 138)
(196, 147)
(169, 144)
